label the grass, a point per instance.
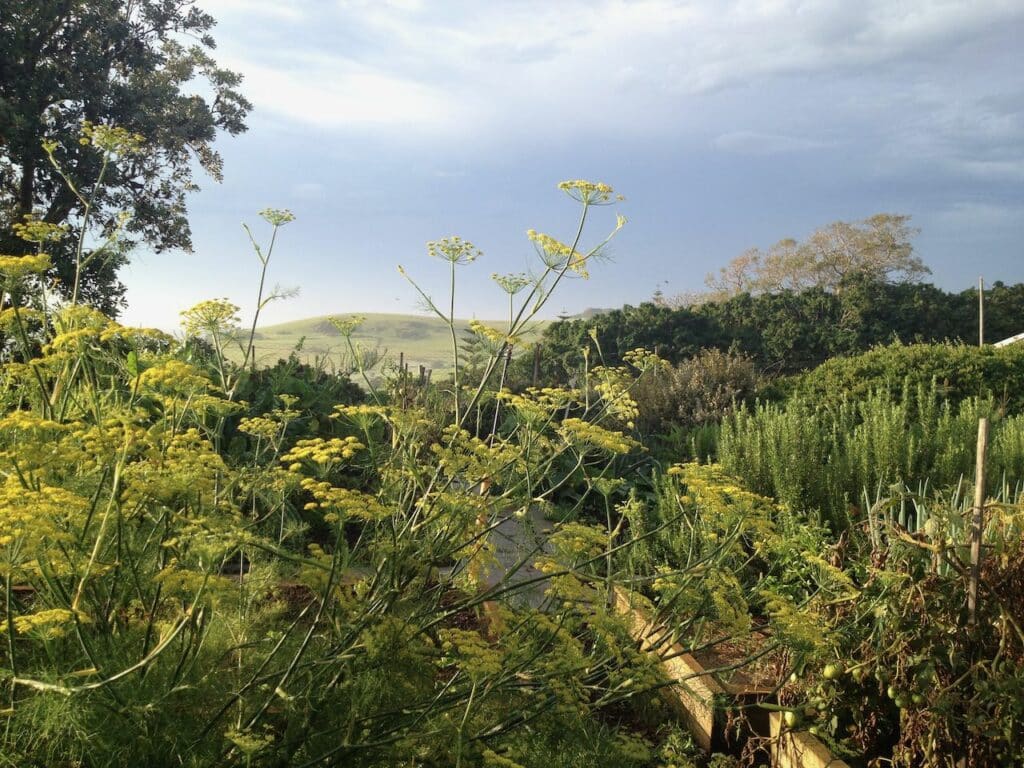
(423, 340)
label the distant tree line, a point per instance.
(784, 331)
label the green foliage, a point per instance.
(206, 564)
(163, 605)
(133, 64)
(788, 331)
(908, 677)
(822, 458)
(960, 371)
(695, 392)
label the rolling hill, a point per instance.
(422, 340)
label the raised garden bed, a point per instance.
(710, 695)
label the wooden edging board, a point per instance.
(799, 749)
(694, 697)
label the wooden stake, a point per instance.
(981, 312)
(977, 523)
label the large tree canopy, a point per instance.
(878, 248)
(139, 64)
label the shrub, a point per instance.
(822, 457)
(960, 372)
(696, 391)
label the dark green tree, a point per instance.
(139, 64)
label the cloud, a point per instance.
(755, 143)
(267, 9)
(334, 92)
(970, 215)
(609, 58)
(907, 85)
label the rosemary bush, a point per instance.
(822, 457)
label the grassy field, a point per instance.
(421, 339)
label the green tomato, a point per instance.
(832, 671)
(792, 718)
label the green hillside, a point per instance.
(421, 339)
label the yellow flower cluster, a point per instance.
(10, 317)
(465, 456)
(454, 250)
(575, 430)
(347, 325)
(50, 623)
(30, 442)
(557, 255)
(493, 760)
(71, 340)
(322, 452)
(587, 192)
(16, 267)
(137, 337)
(729, 514)
(33, 230)
(511, 284)
(361, 410)
(186, 584)
(185, 467)
(537, 405)
(210, 316)
(710, 488)
(614, 385)
(574, 541)
(174, 377)
(77, 326)
(92, 446)
(110, 138)
(644, 360)
(486, 331)
(260, 426)
(493, 338)
(32, 520)
(277, 217)
(337, 503)
(26, 421)
(471, 652)
(455, 506)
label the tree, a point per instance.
(878, 249)
(137, 64)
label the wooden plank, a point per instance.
(977, 523)
(693, 697)
(799, 749)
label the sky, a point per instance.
(384, 124)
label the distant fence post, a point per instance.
(977, 523)
(981, 312)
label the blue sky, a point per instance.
(386, 123)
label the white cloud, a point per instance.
(333, 92)
(645, 68)
(267, 9)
